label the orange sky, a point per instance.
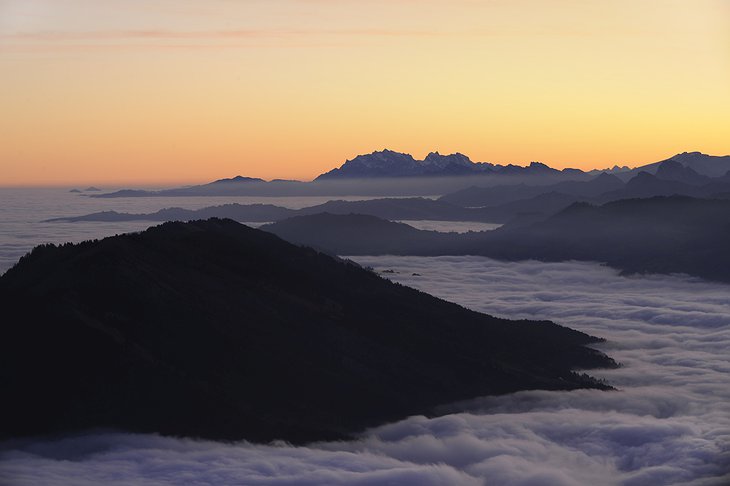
(166, 92)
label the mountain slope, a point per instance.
(214, 329)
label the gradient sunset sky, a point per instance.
(167, 92)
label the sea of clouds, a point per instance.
(668, 422)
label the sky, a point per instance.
(162, 91)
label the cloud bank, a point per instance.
(669, 422)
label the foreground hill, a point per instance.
(218, 330)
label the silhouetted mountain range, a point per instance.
(387, 163)
(707, 165)
(217, 330)
(88, 189)
(390, 173)
(675, 234)
(388, 208)
(238, 212)
(542, 206)
(499, 204)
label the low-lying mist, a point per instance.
(668, 422)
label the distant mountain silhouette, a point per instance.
(390, 173)
(645, 185)
(541, 206)
(88, 189)
(601, 183)
(676, 234)
(387, 208)
(238, 212)
(216, 330)
(503, 194)
(381, 173)
(237, 179)
(387, 163)
(703, 164)
(672, 170)
(398, 208)
(361, 234)
(670, 178)
(535, 168)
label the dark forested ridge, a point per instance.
(214, 329)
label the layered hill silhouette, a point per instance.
(676, 234)
(213, 329)
(703, 164)
(667, 178)
(387, 208)
(495, 204)
(498, 195)
(499, 204)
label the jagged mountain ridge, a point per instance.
(388, 163)
(382, 173)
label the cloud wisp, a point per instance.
(668, 422)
